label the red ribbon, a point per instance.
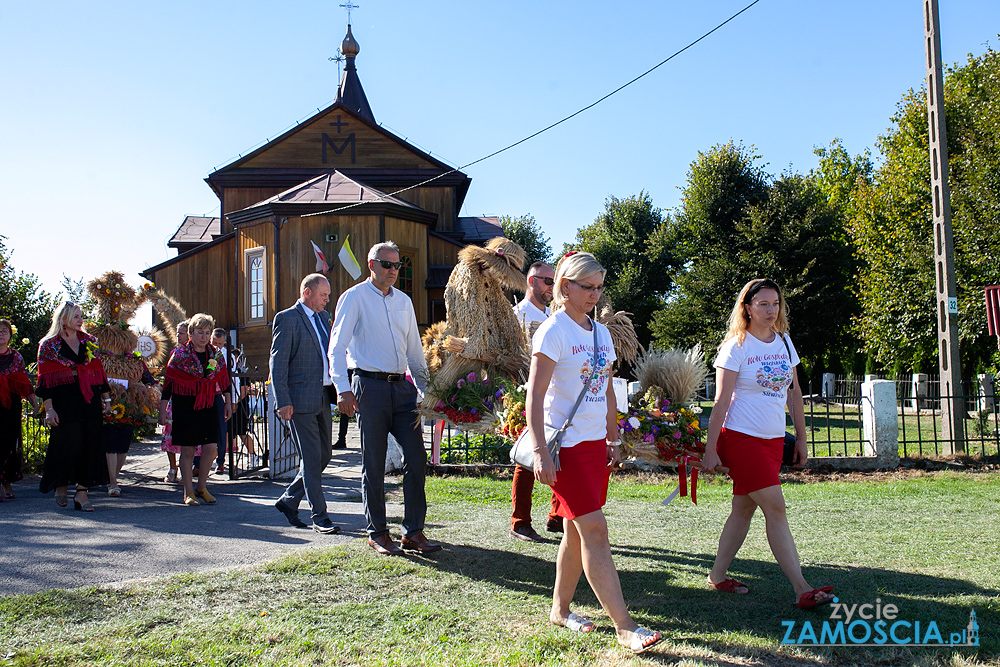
(683, 462)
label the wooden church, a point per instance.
(327, 179)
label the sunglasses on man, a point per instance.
(386, 264)
(549, 282)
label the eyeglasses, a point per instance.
(549, 282)
(386, 264)
(589, 288)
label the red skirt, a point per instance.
(753, 462)
(582, 483)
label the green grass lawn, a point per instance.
(928, 544)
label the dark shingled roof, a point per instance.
(478, 230)
(437, 276)
(332, 188)
(194, 231)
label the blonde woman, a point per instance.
(755, 368)
(75, 391)
(563, 359)
(195, 375)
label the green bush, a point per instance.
(468, 448)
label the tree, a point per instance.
(526, 232)
(891, 222)
(24, 303)
(627, 239)
(737, 223)
(76, 291)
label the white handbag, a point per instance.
(523, 452)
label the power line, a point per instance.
(549, 127)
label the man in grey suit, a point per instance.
(300, 377)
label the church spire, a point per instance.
(350, 93)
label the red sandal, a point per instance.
(808, 600)
(730, 586)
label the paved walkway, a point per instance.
(147, 532)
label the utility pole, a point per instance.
(946, 295)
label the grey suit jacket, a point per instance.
(296, 362)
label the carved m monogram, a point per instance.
(329, 141)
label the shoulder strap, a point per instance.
(789, 351)
(586, 385)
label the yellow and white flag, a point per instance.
(347, 259)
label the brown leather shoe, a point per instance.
(419, 544)
(383, 544)
(526, 534)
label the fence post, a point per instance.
(828, 389)
(878, 415)
(987, 397)
(918, 391)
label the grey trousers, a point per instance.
(311, 436)
(384, 408)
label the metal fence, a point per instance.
(833, 422)
(247, 440)
(458, 447)
(833, 417)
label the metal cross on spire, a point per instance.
(339, 58)
(349, 6)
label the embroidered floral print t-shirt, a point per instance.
(764, 373)
(572, 348)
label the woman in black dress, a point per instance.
(74, 388)
(195, 375)
(14, 385)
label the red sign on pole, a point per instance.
(993, 309)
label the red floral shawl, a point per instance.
(54, 369)
(14, 380)
(186, 376)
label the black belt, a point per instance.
(388, 377)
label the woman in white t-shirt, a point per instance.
(755, 368)
(563, 360)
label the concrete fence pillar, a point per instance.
(987, 395)
(918, 391)
(879, 421)
(829, 388)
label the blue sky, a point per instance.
(114, 112)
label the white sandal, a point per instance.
(578, 623)
(640, 640)
(114, 492)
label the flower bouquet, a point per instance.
(662, 427)
(135, 406)
(656, 433)
(513, 418)
(470, 403)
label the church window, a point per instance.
(406, 276)
(256, 300)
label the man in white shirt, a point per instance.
(533, 308)
(299, 379)
(375, 333)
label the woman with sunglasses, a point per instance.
(563, 361)
(74, 388)
(755, 370)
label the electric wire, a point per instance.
(548, 127)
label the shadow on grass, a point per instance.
(656, 584)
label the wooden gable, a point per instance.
(337, 139)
